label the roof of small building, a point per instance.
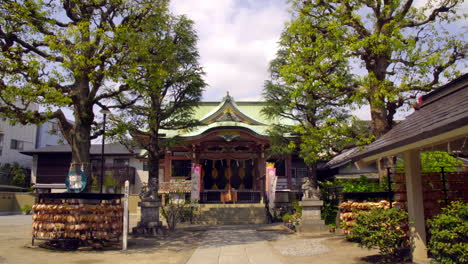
(343, 158)
(109, 149)
(442, 110)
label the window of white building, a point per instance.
(17, 144)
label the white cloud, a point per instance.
(238, 39)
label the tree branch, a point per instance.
(435, 13)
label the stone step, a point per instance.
(232, 214)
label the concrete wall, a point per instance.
(11, 202)
(133, 203)
(141, 175)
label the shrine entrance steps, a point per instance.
(232, 214)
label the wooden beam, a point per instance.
(419, 145)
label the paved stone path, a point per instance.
(226, 246)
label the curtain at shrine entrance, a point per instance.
(228, 173)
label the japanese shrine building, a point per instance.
(231, 146)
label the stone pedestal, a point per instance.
(149, 224)
(311, 223)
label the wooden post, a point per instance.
(288, 172)
(125, 215)
(167, 165)
(415, 206)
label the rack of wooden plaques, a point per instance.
(77, 217)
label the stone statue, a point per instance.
(149, 193)
(309, 191)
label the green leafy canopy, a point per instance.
(396, 50)
(64, 54)
(165, 81)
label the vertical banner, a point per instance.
(270, 182)
(196, 175)
(273, 181)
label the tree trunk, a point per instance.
(153, 167)
(80, 145)
(380, 124)
(79, 137)
(377, 66)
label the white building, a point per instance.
(17, 138)
(48, 134)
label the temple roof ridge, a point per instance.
(228, 110)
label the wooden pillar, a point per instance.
(167, 165)
(415, 206)
(195, 155)
(288, 172)
(262, 171)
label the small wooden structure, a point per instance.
(77, 217)
(440, 122)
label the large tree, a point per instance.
(166, 84)
(397, 50)
(312, 95)
(61, 54)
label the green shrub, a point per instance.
(14, 174)
(449, 234)
(362, 185)
(329, 212)
(177, 210)
(295, 217)
(286, 218)
(384, 229)
(190, 213)
(297, 207)
(331, 199)
(432, 161)
(110, 180)
(26, 209)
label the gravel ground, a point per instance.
(303, 247)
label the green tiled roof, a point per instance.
(243, 114)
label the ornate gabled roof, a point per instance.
(228, 110)
(227, 113)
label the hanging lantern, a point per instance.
(75, 181)
(241, 173)
(214, 171)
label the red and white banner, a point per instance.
(271, 180)
(196, 182)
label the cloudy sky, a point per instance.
(237, 40)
